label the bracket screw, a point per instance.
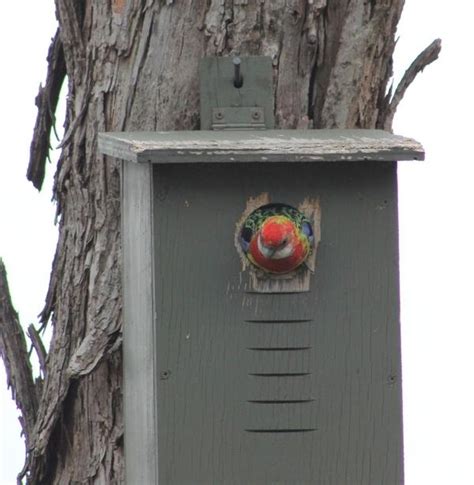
(164, 375)
(256, 115)
(238, 78)
(219, 115)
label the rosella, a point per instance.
(277, 238)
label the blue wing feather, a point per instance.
(307, 230)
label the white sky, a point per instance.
(27, 234)
(436, 229)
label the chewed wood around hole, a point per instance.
(296, 281)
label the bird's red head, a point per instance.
(276, 231)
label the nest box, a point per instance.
(233, 374)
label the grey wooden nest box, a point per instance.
(234, 377)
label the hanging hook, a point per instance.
(238, 78)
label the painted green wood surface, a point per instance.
(264, 146)
(141, 440)
(277, 389)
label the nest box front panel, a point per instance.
(262, 386)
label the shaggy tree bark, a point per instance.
(133, 65)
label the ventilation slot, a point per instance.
(268, 321)
(290, 430)
(279, 374)
(281, 349)
(279, 401)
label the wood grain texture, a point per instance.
(14, 354)
(260, 146)
(426, 57)
(133, 66)
(139, 368)
(288, 388)
(46, 102)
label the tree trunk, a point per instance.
(134, 66)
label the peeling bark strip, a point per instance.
(39, 347)
(46, 101)
(14, 354)
(133, 66)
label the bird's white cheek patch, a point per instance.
(280, 254)
(263, 249)
(283, 252)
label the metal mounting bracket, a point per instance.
(236, 93)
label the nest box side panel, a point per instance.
(277, 388)
(141, 455)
